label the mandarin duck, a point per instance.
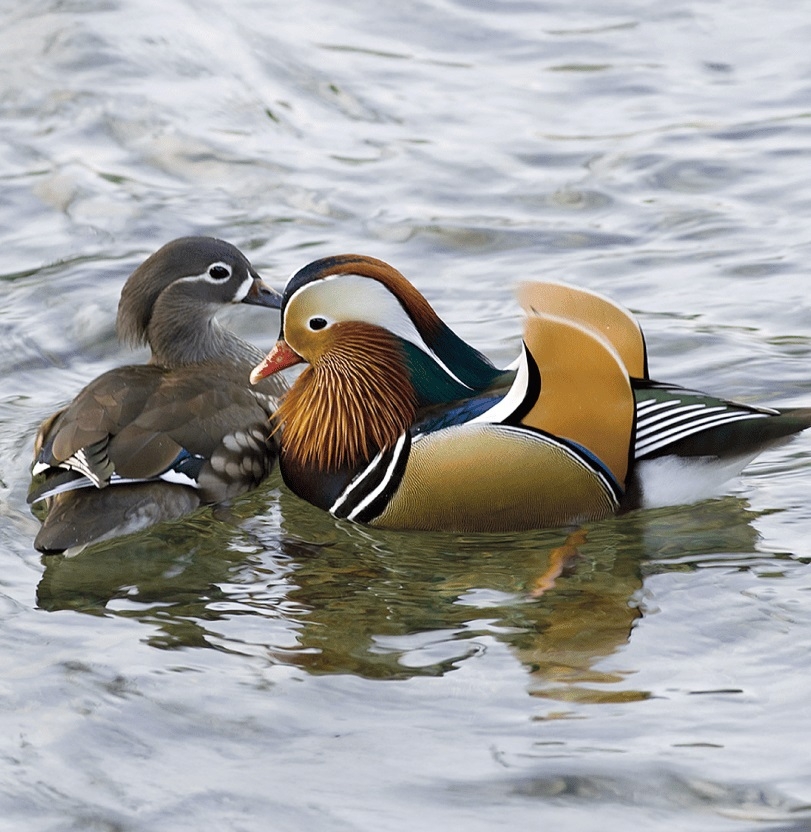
(151, 442)
(398, 423)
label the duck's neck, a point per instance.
(473, 369)
(180, 335)
(454, 371)
(341, 412)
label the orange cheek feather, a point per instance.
(279, 358)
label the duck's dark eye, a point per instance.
(219, 272)
(317, 323)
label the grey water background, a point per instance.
(263, 667)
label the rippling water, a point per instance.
(265, 667)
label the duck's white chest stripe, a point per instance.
(366, 495)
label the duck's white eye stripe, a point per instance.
(216, 274)
(351, 297)
(242, 292)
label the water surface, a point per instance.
(263, 666)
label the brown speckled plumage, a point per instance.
(187, 426)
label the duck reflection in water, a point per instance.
(393, 605)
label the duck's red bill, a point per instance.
(279, 358)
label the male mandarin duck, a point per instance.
(152, 442)
(398, 423)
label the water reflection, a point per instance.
(278, 579)
(665, 791)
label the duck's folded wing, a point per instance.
(214, 418)
(75, 441)
(583, 393)
(199, 428)
(596, 313)
(675, 421)
(571, 384)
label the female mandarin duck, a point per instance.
(152, 442)
(399, 423)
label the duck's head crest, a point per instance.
(361, 289)
(355, 294)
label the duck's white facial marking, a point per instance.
(217, 274)
(344, 298)
(350, 297)
(243, 288)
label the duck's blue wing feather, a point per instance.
(457, 413)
